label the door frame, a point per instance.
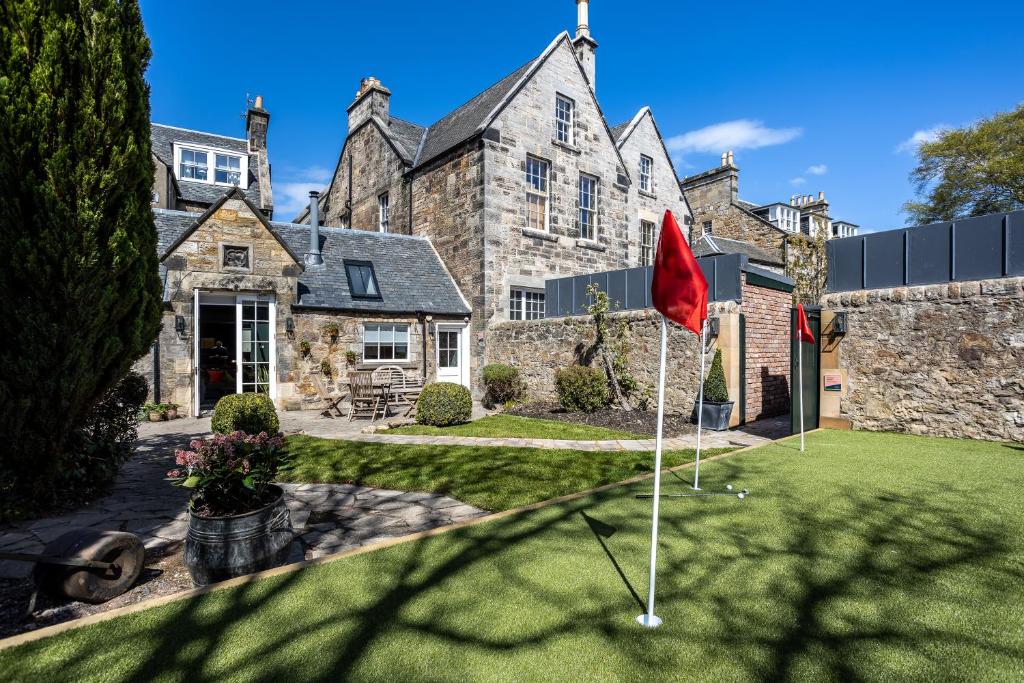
(463, 329)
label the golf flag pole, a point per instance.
(679, 292)
(700, 404)
(803, 333)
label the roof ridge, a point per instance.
(201, 132)
(354, 231)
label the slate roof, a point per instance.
(711, 245)
(407, 137)
(618, 130)
(409, 272)
(163, 138)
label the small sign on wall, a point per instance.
(833, 381)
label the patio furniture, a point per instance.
(404, 388)
(366, 399)
(331, 403)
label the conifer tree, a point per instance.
(79, 291)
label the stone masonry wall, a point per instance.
(712, 196)
(767, 313)
(539, 347)
(376, 169)
(942, 360)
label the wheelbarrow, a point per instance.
(86, 564)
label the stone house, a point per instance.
(524, 182)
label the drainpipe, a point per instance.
(423, 331)
(156, 370)
(313, 257)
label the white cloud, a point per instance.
(292, 195)
(817, 169)
(734, 135)
(921, 136)
(797, 182)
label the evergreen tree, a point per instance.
(79, 291)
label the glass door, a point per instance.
(256, 353)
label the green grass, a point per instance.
(492, 478)
(869, 557)
(513, 426)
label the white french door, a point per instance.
(256, 345)
(452, 361)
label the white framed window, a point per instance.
(707, 228)
(588, 207)
(385, 342)
(646, 164)
(384, 212)
(525, 304)
(193, 163)
(646, 243)
(537, 193)
(564, 114)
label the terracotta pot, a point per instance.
(156, 416)
(172, 414)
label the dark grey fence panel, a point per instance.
(616, 289)
(930, 249)
(977, 248)
(638, 289)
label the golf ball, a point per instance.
(741, 495)
(728, 487)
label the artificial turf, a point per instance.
(514, 426)
(870, 556)
(489, 477)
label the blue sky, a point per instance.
(810, 95)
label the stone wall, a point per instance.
(376, 168)
(942, 360)
(713, 196)
(767, 313)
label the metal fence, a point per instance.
(630, 288)
(971, 249)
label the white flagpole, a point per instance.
(700, 404)
(800, 343)
(648, 619)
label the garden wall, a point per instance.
(943, 360)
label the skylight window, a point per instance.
(362, 282)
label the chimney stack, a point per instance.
(372, 100)
(313, 257)
(585, 45)
(257, 120)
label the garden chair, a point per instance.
(394, 377)
(331, 403)
(365, 401)
(410, 393)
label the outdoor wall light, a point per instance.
(839, 324)
(289, 326)
(179, 324)
(713, 327)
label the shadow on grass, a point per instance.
(602, 531)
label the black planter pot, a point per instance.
(220, 548)
(715, 415)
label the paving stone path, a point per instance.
(327, 518)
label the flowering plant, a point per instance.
(229, 474)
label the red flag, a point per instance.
(678, 288)
(803, 328)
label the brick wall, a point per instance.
(767, 313)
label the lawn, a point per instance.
(491, 478)
(869, 557)
(513, 426)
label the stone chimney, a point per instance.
(586, 47)
(373, 99)
(257, 120)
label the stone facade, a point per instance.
(714, 196)
(767, 314)
(941, 360)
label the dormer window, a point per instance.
(193, 164)
(564, 119)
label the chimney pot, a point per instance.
(731, 163)
(725, 155)
(821, 196)
(259, 102)
(313, 257)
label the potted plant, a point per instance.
(304, 348)
(238, 520)
(154, 411)
(170, 410)
(717, 406)
(325, 367)
(351, 357)
(331, 329)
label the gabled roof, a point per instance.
(406, 136)
(712, 245)
(409, 273)
(163, 138)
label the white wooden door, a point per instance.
(452, 364)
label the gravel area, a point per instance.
(637, 421)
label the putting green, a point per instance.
(870, 556)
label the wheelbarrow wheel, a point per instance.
(123, 550)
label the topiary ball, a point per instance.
(250, 413)
(444, 403)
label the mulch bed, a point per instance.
(636, 421)
(164, 574)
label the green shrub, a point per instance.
(444, 403)
(581, 388)
(714, 386)
(249, 413)
(503, 384)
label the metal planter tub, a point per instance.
(715, 415)
(220, 548)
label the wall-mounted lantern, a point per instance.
(839, 324)
(713, 327)
(289, 326)
(179, 325)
